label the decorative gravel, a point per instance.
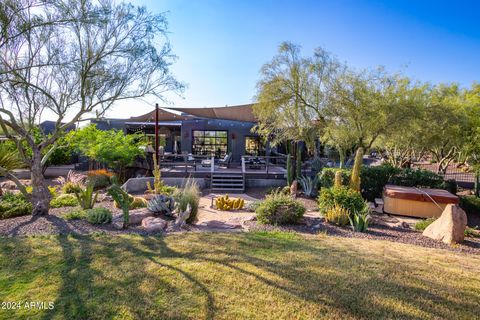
(54, 223)
(312, 225)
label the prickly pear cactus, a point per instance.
(162, 204)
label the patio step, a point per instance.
(227, 182)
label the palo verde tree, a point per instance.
(291, 94)
(72, 60)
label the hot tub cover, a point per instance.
(420, 194)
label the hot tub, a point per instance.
(416, 202)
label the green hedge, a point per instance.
(373, 179)
(471, 204)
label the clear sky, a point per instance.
(221, 45)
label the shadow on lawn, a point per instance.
(353, 284)
(88, 292)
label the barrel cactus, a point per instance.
(162, 204)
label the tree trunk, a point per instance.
(40, 194)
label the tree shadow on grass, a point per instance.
(343, 291)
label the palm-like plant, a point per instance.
(86, 197)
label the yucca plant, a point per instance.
(359, 221)
(121, 197)
(309, 185)
(86, 197)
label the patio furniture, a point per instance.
(255, 163)
(206, 163)
(225, 162)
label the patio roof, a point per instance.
(237, 113)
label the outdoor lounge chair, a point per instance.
(226, 160)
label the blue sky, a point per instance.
(221, 45)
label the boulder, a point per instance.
(450, 227)
(152, 224)
(135, 217)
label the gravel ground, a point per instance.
(54, 223)
(312, 225)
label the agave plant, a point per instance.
(162, 204)
(309, 185)
(359, 221)
(86, 197)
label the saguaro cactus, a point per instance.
(289, 170)
(357, 165)
(298, 163)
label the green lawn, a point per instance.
(229, 276)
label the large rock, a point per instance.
(450, 227)
(135, 217)
(152, 224)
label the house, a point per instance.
(47, 127)
(214, 131)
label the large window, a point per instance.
(211, 143)
(254, 147)
(162, 139)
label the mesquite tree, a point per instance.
(72, 60)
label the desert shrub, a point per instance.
(423, 224)
(99, 178)
(71, 188)
(327, 177)
(343, 196)
(252, 206)
(190, 194)
(470, 204)
(373, 179)
(451, 186)
(99, 216)
(14, 205)
(134, 202)
(138, 202)
(273, 190)
(77, 214)
(51, 189)
(161, 189)
(64, 200)
(279, 208)
(337, 215)
(472, 232)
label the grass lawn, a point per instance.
(229, 276)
